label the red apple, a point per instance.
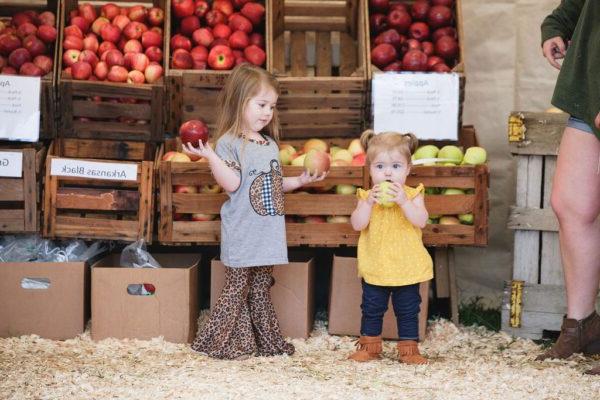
(379, 5)
(156, 16)
(151, 39)
(154, 54)
(47, 33)
(419, 10)
(110, 33)
(101, 70)
(383, 54)
(199, 53)
(237, 22)
(400, 6)
(391, 36)
(447, 3)
(89, 57)
(432, 60)
(110, 11)
(441, 67)
(73, 30)
(255, 12)
(446, 47)
(117, 74)
(9, 43)
(180, 42)
(133, 46)
(193, 131)
(26, 29)
(19, 57)
(414, 60)
(439, 16)
(182, 59)
(114, 57)
(219, 42)
(70, 57)
(221, 58)
(98, 24)
(412, 44)
(200, 8)
(445, 31)
(395, 66)
(182, 8)
(225, 6)
(34, 45)
(8, 70)
(3, 62)
(139, 62)
(153, 72)
(203, 36)
(136, 77)
(106, 46)
(21, 18)
(214, 17)
(255, 55)
(134, 30)
(47, 18)
(239, 40)
(317, 162)
(189, 24)
(121, 21)
(221, 31)
(88, 12)
(138, 13)
(158, 30)
(419, 31)
(240, 3)
(81, 70)
(427, 48)
(30, 69)
(128, 60)
(257, 39)
(378, 23)
(81, 23)
(399, 19)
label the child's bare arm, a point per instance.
(362, 213)
(415, 211)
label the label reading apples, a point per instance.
(422, 103)
(93, 169)
(11, 164)
(19, 108)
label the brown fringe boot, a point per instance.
(408, 352)
(369, 348)
(576, 336)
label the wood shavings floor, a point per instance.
(467, 363)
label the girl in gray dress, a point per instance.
(246, 164)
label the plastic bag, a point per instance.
(135, 255)
(36, 249)
(20, 249)
(35, 283)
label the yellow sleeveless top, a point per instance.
(390, 248)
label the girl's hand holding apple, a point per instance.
(307, 178)
(203, 150)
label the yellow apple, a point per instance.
(210, 189)
(334, 149)
(345, 189)
(343, 155)
(299, 161)
(355, 147)
(340, 163)
(449, 220)
(338, 219)
(316, 144)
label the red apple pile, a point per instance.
(217, 36)
(27, 43)
(114, 43)
(416, 36)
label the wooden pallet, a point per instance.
(534, 140)
(48, 106)
(20, 197)
(94, 208)
(324, 94)
(192, 94)
(109, 110)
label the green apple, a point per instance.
(435, 216)
(466, 219)
(333, 150)
(345, 189)
(286, 155)
(432, 190)
(343, 154)
(475, 156)
(450, 191)
(385, 198)
(451, 153)
(299, 161)
(427, 151)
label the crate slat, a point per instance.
(97, 199)
(12, 220)
(11, 189)
(96, 228)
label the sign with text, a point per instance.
(425, 104)
(20, 108)
(93, 169)
(11, 164)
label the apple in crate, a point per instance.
(449, 220)
(338, 219)
(451, 152)
(175, 156)
(317, 162)
(343, 155)
(202, 217)
(355, 147)
(314, 219)
(359, 160)
(475, 156)
(207, 189)
(452, 191)
(316, 144)
(185, 189)
(345, 189)
(299, 160)
(466, 219)
(193, 131)
(286, 154)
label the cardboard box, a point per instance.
(171, 312)
(59, 312)
(346, 297)
(292, 295)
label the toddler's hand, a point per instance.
(203, 150)
(553, 50)
(373, 197)
(398, 193)
(307, 178)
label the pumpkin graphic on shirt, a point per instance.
(266, 191)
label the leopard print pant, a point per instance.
(243, 321)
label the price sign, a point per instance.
(93, 169)
(20, 108)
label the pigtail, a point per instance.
(365, 137)
(411, 141)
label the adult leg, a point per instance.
(228, 333)
(407, 301)
(264, 319)
(576, 202)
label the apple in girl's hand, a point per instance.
(192, 131)
(317, 162)
(385, 198)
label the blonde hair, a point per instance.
(404, 143)
(244, 83)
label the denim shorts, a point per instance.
(577, 123)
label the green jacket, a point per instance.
(577, 90)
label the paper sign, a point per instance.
(20, 108)
(11, 164)
(425, 104)
(93, 169)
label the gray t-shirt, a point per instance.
(252, 220)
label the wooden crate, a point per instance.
(534, 139)
(192, 94)
(109, 110)
(20, 197)
(93, 208)
(328, 234)
(48, 106)
(324, 97)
